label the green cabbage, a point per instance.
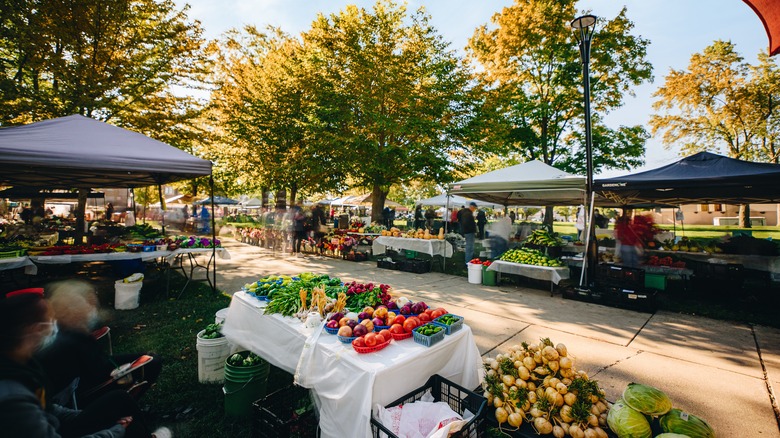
(671, 435)
(646, 399)
(677, 421)
(628, 423)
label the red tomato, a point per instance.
(386, 334)
(425, 317)
(397, 329)
(370, 339)
(416, 320)
(437, 313)
(428, 311)
(409, 325)
(359, 342)
(380, 339)
(399, 319)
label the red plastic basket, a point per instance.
(375, 348)
(402, 336)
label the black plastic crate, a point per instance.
(641, 299)
(388, 264)
(416, 266)
(288, 412)
(620, 276)
(443, 390)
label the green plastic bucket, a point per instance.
(243, 386)
(488, 277)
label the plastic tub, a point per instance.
(219, 317)
(211, 358)
(475, 273)
(126, 295)
(488, 277)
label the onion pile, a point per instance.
(539, 383)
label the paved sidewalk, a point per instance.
(716, 369)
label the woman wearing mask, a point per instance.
(76, 353)
(26, 325)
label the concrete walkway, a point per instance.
(719, 370)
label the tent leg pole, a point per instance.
(162, 207)
(213, 235)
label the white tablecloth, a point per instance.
(114, 256)
(347, 384)
(432, 247)
(548, 273)
(19, 262)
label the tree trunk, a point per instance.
(744, 216)
(548, 216)
(281, 199)
(264, 198)
(377, 203)
(80, 218)
(293, 193)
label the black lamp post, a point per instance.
(583, 27)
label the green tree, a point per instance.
(391, 96)
(261, 109)
(531, 72)
(120, 61)
(721, 104)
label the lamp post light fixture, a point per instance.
(584, 27)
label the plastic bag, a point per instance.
(421, 419)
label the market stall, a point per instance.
(440, 248)
(346, 384)
(77, 152)
(547, 273)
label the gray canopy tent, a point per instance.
(530, 183)
(84, 153)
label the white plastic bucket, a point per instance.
(126, 295)
(212, 354)
(475, 273)
(219, 317)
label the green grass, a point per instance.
(168, 327)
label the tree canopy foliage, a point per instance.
(721, 104)
(530, 69)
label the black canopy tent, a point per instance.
(700, 178)
(84, 153)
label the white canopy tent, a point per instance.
(442, 200)
(530, 183)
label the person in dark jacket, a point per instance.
(481, 221)
(419, 218)
(26, 409)
(299, 228)
(468, 227)
(75, 353)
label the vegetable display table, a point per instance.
(548, 273)
(347, 384)
(432, 247)
(19, 262)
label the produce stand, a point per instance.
(346, 384)
(432, 247)
(18, 262)
(548, 273)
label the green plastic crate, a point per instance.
(655, 281)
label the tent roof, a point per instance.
(218, 200)
(454, 200)
(254, 202)
(81, 152)
(704, 177)
(530, 183)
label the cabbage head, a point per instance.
(627, 422)
(646, 399)
(677, 421)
